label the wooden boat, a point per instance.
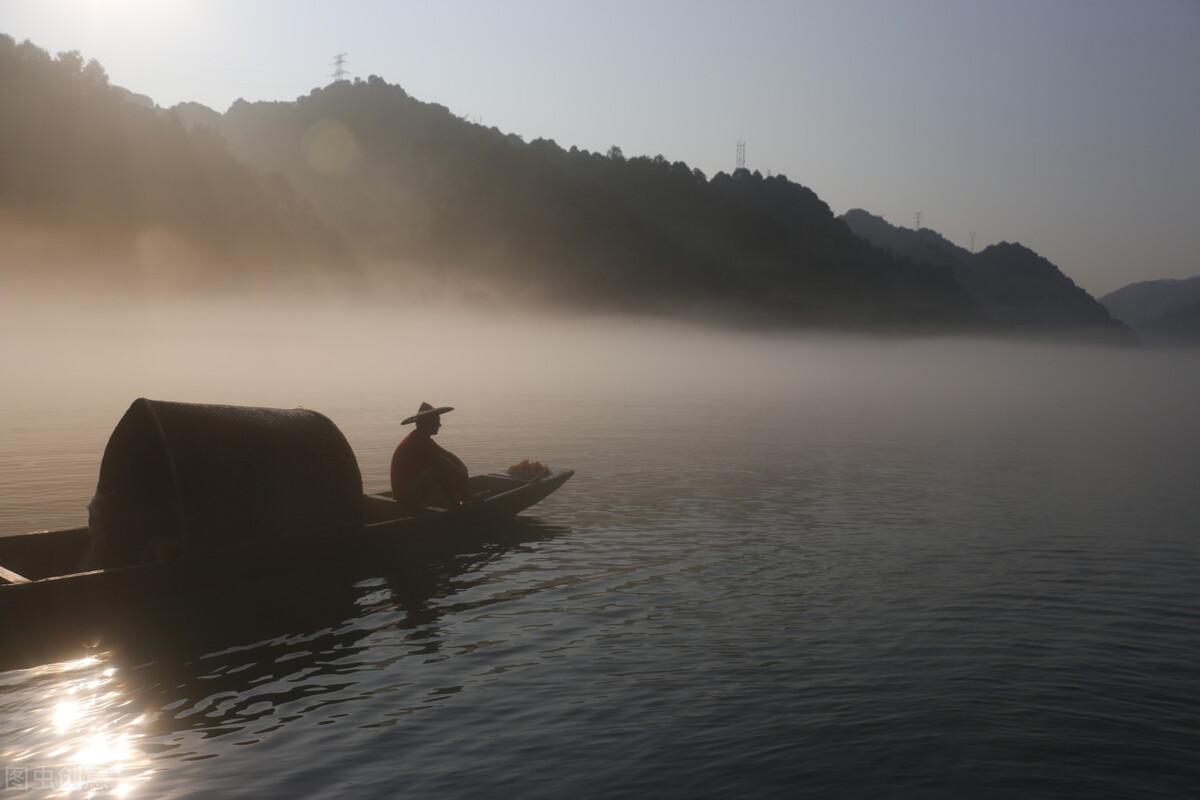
(502, 496)
(254, 492)
(50, 558)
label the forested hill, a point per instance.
(359, 179)
(1140, 303)
(410, 183)
(1014, 286)
(94, 165)
(1163, 311)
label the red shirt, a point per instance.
(416, 453)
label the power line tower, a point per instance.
(741, 154)
(917, 220)
(339, 67)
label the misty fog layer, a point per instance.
(593, 393)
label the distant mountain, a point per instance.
(1179, 325)
(1014, 286)
(133, 97)
(410, 183)
(922, 245)
(1141, 303)
(197, 115)
(132, 189)
(364, 183)
(360, 181)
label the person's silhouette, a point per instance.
(424, 473)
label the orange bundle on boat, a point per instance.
(528, 470)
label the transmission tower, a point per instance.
(741, 154)
(917, 219)
(339, 67)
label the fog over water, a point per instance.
(71, 369)
(854, 567)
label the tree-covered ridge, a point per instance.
(1144, 302)
(1014, 286)
(360, 173)
(1162, 311)
(408, 181)
(79, 155)
(1179, 325)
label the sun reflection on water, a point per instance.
(83, 739)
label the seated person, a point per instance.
(424, 473)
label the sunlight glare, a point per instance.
(67, 714)
(103, 749)
(137, 16)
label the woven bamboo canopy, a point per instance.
(213, 475)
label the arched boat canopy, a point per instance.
(216, 475)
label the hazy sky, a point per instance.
(1072, 126)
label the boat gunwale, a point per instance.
(369, 531)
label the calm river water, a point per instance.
(784, 568)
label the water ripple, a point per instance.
(748, 608)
